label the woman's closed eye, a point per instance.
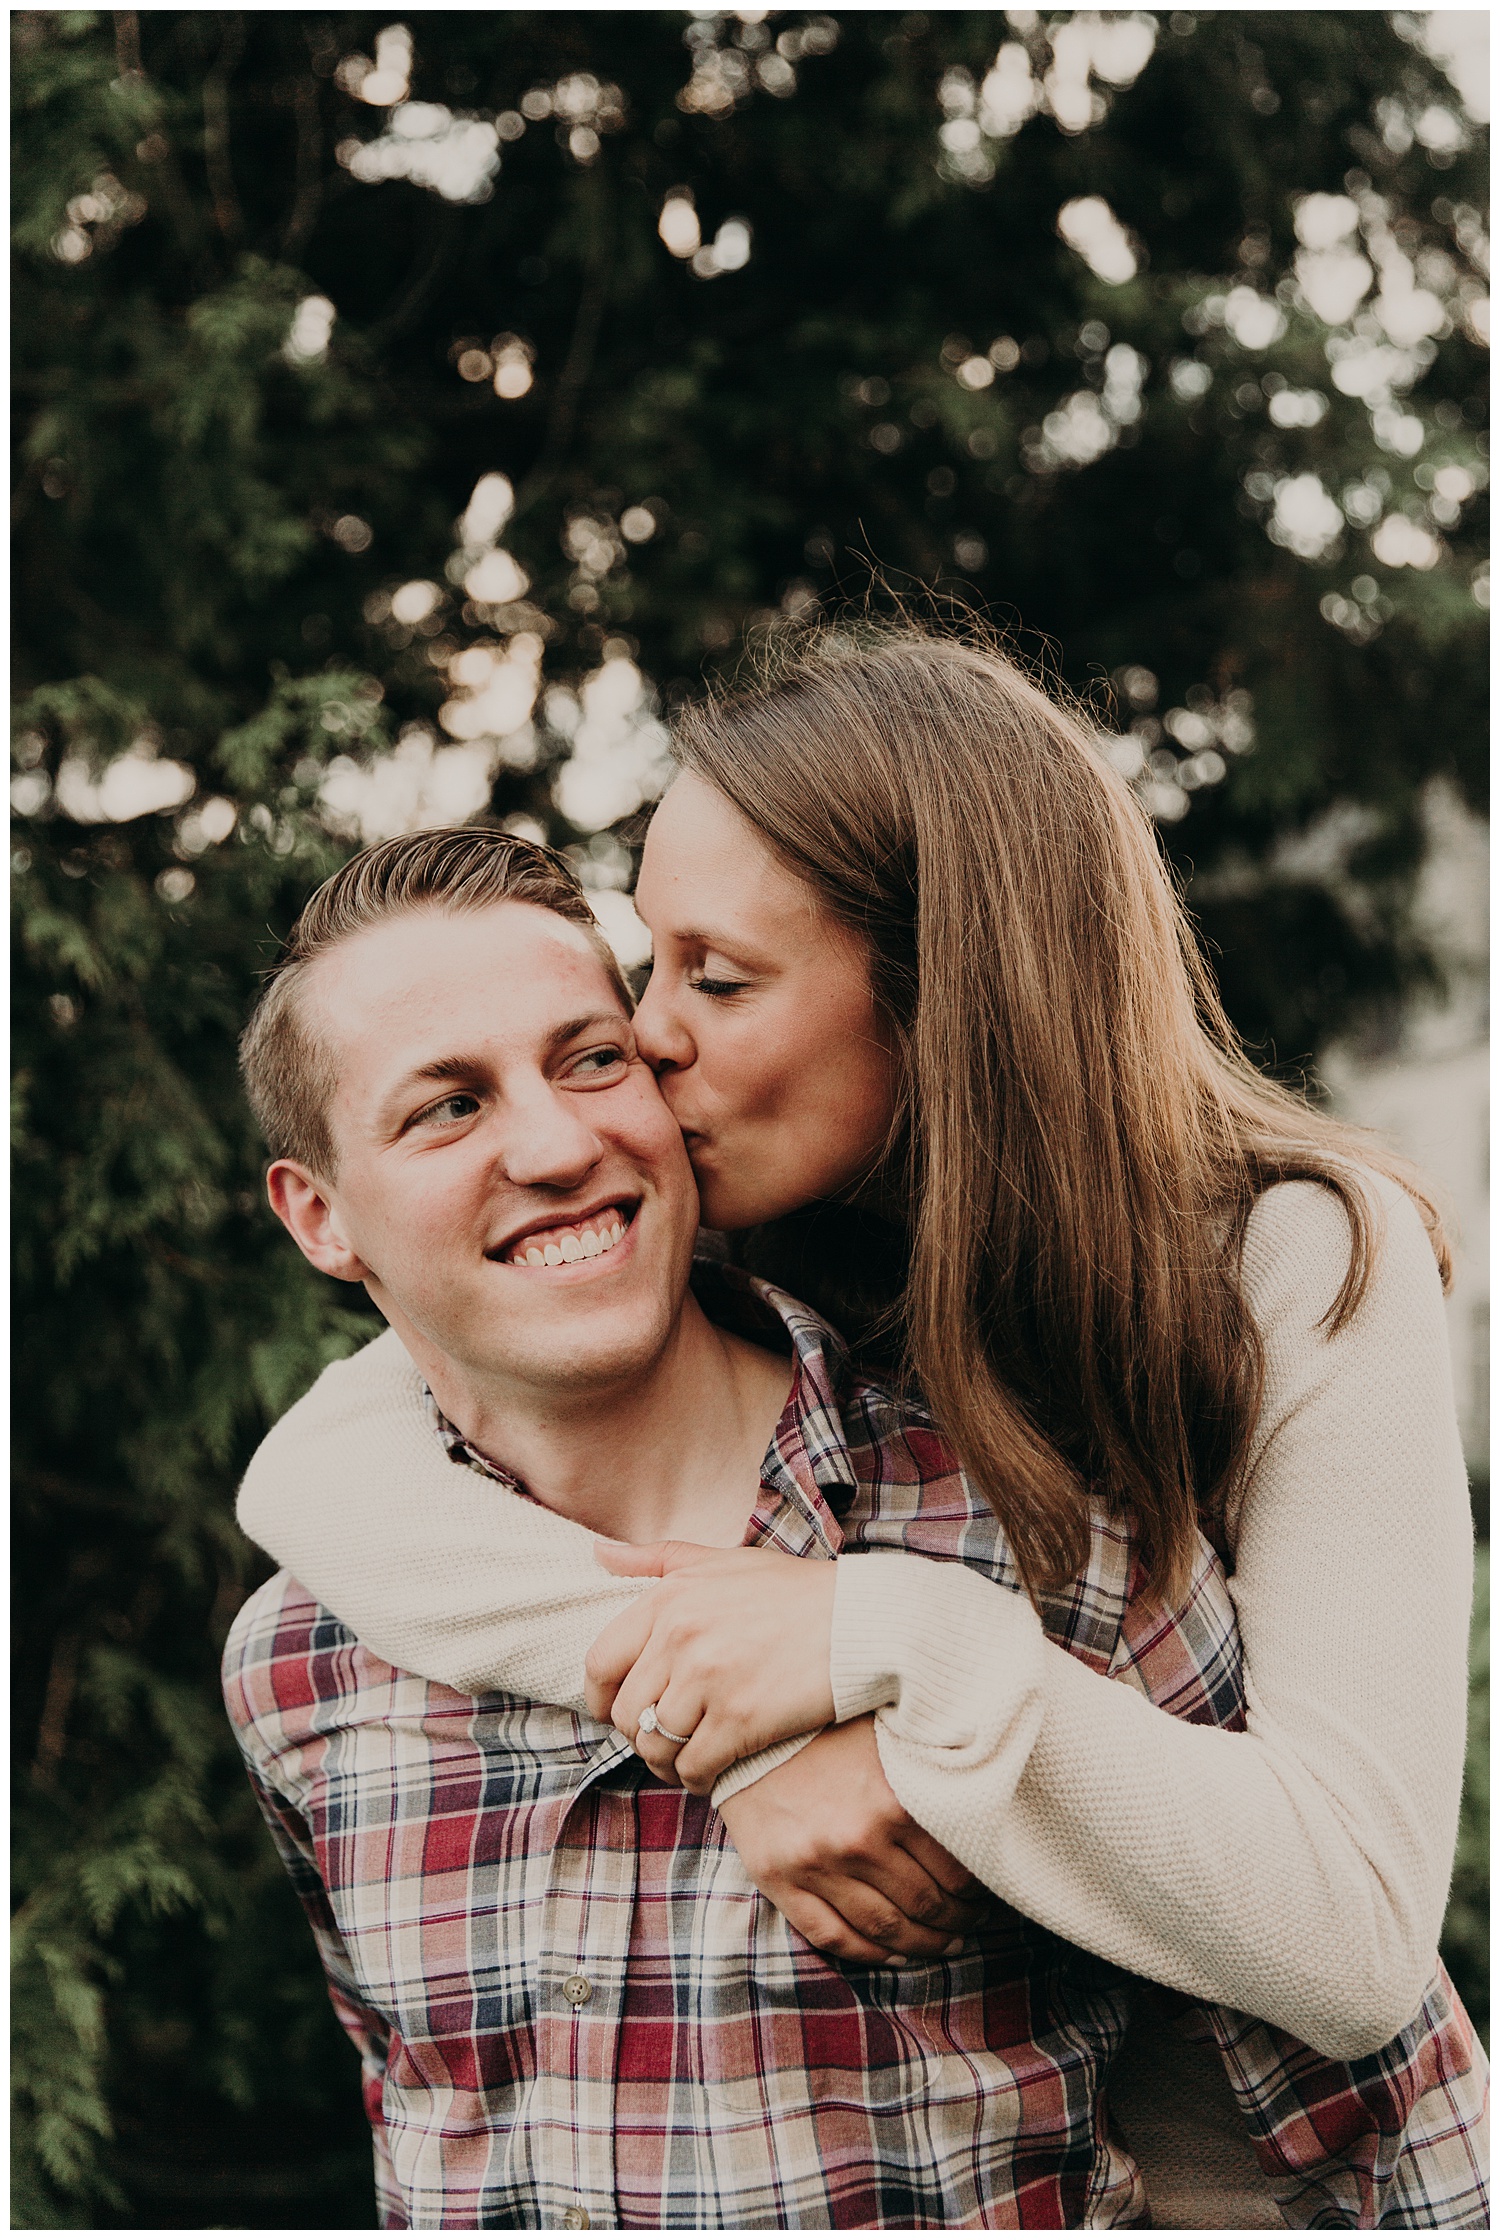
(705, 985)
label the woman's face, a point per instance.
(759, 1018)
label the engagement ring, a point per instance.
(650, 1724)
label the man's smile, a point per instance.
(596, 1234)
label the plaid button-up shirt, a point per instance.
(574, 2008)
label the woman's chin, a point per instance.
(731, 1205)
(732, 1200)
(729, 1212)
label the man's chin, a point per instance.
(568, 1342)
(578, 1366)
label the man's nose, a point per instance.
(546, 1141)
(661, 1034)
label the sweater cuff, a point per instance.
(747, 1771)
(950, 1657)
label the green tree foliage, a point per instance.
(740, 309)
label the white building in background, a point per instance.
(1430, 1093)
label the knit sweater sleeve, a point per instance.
(1297, 1871)
(438, 1569)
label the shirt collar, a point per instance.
(807, 1476)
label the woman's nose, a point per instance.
(661, 1035)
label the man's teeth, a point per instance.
(571, 1244)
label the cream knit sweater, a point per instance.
(1297, 1871)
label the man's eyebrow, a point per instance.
(457, 1068)
(571, 1028)
(462, 1067)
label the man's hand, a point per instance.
(824, 1838)
(732, 1649)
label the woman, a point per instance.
(948, 1064)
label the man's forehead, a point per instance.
(511, 971)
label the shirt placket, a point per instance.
(588, 1909)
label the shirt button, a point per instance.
(578, 1991)
(575, 2220)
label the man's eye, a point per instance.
(449, 1110)
(594, 1062)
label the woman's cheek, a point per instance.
(737, 1065)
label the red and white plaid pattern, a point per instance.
(574, 2008)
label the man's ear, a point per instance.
(302, 1204)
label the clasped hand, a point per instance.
(732, 1649)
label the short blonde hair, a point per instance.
(288, 1072)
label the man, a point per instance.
(572, 2006)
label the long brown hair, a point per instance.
(1082, 1136)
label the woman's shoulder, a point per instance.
(1362, 1399)
(1299, 1239)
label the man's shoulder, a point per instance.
(280, 1611)
(275, 1659)
(913, 1491)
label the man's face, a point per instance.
(510, 1186)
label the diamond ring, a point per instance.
(648, 1723)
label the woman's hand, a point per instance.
(826, 1841)
(732, 1649)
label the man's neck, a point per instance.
(673, 1452)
